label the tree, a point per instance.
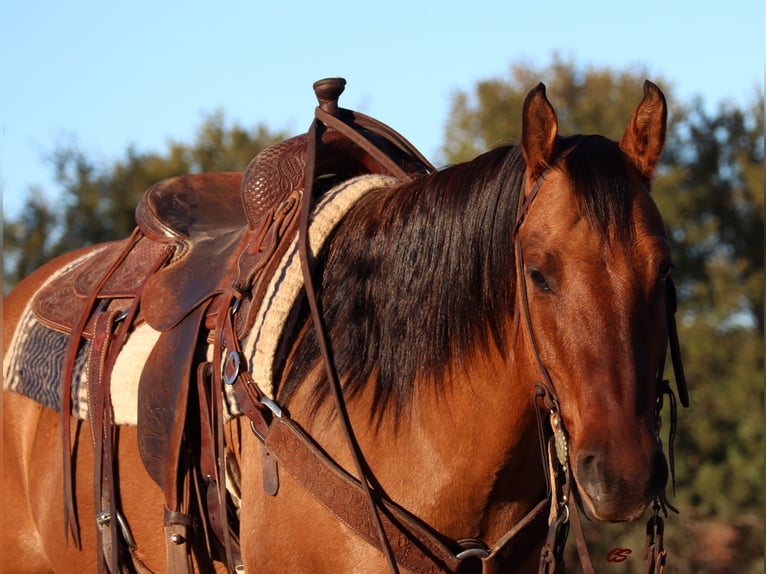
(95, 205)
(587, 101)
(710, 190)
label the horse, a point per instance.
(497, 332)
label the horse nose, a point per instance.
(611, 486)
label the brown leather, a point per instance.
(417, 548)
(279, 169)
(201, 217)
(163, 393)
(271, 176)
(73, 346)
(61, 302)
(186, 209)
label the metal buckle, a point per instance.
(122, 316)
(232, 358)
(104, 518)
(276, 411)
(272, 406)
(473, 549)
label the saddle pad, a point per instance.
(282, 292)
(33, 361)
(32, 367)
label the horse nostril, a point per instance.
(590, 468)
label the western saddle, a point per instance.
(203, 251)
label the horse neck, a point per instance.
(483, 438)
(463, 456)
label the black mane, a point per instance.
(419, 278)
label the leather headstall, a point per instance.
(553, 438)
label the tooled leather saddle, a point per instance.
(203, 244)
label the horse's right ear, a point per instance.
(539, 128)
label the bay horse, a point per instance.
(497, 331)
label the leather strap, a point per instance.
(177, 526)
(295, 451)
(417, 548)
(675, 346)
(655, 554)
(73, 347)
(306, 258)
(99, 413)
(110, 334)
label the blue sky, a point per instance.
(106, 75)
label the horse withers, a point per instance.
(498, 330)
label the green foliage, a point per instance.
(97, 204)
(26, 239)
(592, 100)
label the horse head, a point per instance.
(593, 257)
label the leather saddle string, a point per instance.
(675, 346)
(70, 513)
(314, 140)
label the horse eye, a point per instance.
(665, 270)
(538, 280)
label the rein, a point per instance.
(402, 537)
(327, 113)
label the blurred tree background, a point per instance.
(97, 204)
(710, 189)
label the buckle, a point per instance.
(230, 369)
(472, 549)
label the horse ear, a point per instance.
(644, 137)
(539, 128)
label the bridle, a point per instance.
(554, 449)
(400, 536)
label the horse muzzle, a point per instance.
(612, 491)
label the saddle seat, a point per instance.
(210, 218)
(200, 218)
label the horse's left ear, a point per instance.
(644, 137)
(539, 128)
